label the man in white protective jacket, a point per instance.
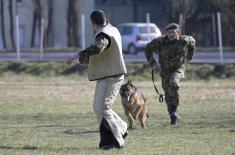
(105, 66)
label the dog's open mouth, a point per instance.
(127, 98)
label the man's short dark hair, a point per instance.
(98, 17)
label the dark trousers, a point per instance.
(107, 138)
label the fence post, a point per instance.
(83, 31)
(220, 38)
(41, 39)
(148, 26)
(17, 35)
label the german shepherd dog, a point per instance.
(134, 104)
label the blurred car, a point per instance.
(135, 36)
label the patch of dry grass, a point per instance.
(54, 115)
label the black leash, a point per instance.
(161, 97)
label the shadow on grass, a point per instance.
(18, 148)
(225, 122)
(71, 132)
(33, 148)
(38, 126)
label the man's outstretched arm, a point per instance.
(102, 41)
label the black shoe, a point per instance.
(109, 147)
(106, 147)
(125, 134)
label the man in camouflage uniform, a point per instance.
(174, 51)
(105, 66)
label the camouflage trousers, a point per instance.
(171, 84)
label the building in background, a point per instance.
(198, 16)
(122, 11)
(63, 19)
(62, 22)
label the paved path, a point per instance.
(199, 57)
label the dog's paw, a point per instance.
(143, 126)
(130, 128)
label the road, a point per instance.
(199, 57)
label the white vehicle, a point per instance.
(135, 36)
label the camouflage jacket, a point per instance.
(172, 54)
(102, 41)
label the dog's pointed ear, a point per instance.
(129, 80)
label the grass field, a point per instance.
(54, 115)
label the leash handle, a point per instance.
(161, 96)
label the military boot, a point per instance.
(173, 114)
(169, 109)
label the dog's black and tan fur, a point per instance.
(134, 104)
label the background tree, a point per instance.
(73, 23)
(3, 23)
(48, 32)
(198, 18)
(11, 14)
(37, 15)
